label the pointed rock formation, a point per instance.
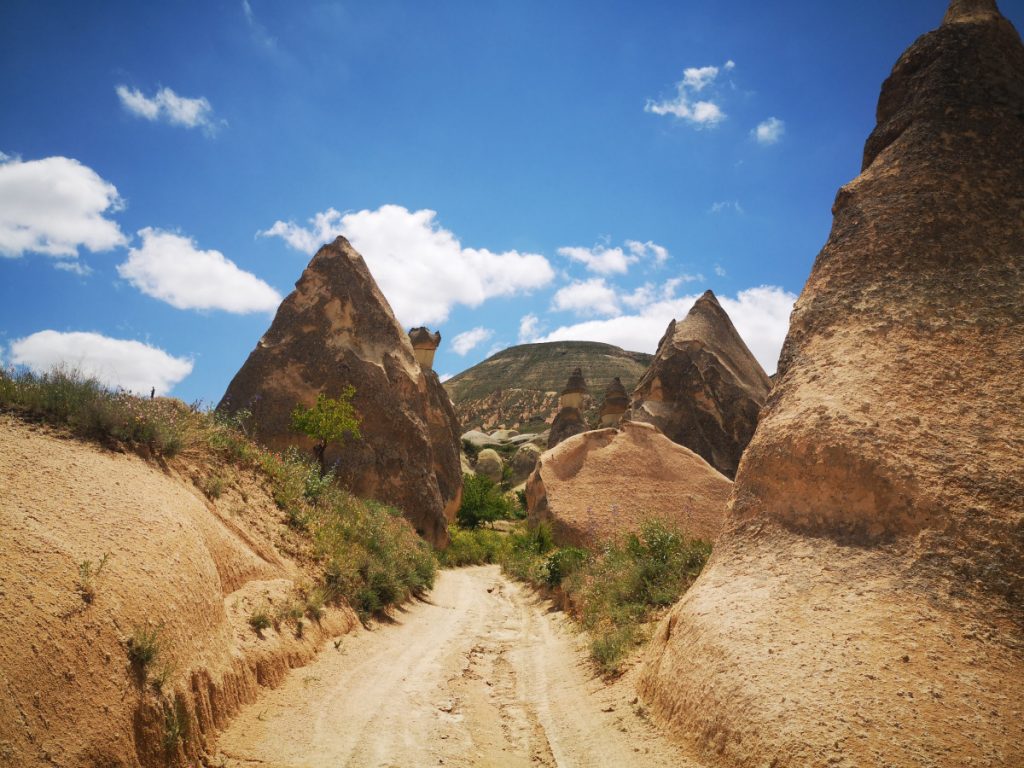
(866, 604)
(569, 420)
(598, 485)
(616, 403)
(704, 389)
(337, 329)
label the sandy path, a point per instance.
(481, 675)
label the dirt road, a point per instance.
(482, 674)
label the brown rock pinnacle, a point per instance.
(704, 389)
(335, 329)
(865, 605)
(569, 420)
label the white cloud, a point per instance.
(130, 365)
(444, 377)
(55, 206)
(421, 267)
(727, 205)
(529, 328)
(467, 341)
(587, 298)
(642, 250)
(168, 106)
(74, 266)
(761, 315)
(770, 131)
(720, 270)
(700, 113)
(600, 259)
(169, 267)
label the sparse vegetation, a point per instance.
(615, 593)
(328, 421)
(87, 576)
(213, 486)
(260, 619)
(144, 647)
(176, 726)
(68, 398)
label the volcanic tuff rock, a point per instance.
(489, 464)
(866, 605)
(606, 482)
(519, 387)
(335, 329)
(704, 389)
(570, 420)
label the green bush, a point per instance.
(482, 502)
(328, 421)
(144, 646)
(562, 563)
(481, 546)
(260, 619)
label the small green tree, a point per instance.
(482, 502)
(327, 422)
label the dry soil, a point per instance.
(482, 673)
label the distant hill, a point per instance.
(518, 388)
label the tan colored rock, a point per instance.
(616, 403)
(704, 389)
(575, 390)
(599, 484)
(337, 329)
(424, 346)
(570, 420)
(490, 465)
(524, 461)
(866, 605)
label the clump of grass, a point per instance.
(213, 486)
(87, 576)
(176, 726)
(260, 619)
(144, 646)
(161, 676)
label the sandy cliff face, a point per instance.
(704, 388)
(600, 484)
(336, 329)
(190, 568)
(866, 606)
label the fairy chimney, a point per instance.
(575, 389)
(424, 345)
(616, 401)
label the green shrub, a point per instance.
(562, 563)
(213, 486)
(176, 726)
(328, 421)
(480, 546)
(87, 576)
(482, 502)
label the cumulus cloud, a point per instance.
(171, 108)
(649, 249)
(770, 131)
(444, 377)
(55, 206)
(421, 267)
(699, 112)
(587, 298)
(131, 365)
(761, 315)
(467, 341)
(529, 328)
(171, 268)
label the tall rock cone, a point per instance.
(704, 389)
(335, 329)
(866, 605)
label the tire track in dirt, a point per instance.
(483, 673)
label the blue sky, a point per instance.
(510, 171)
